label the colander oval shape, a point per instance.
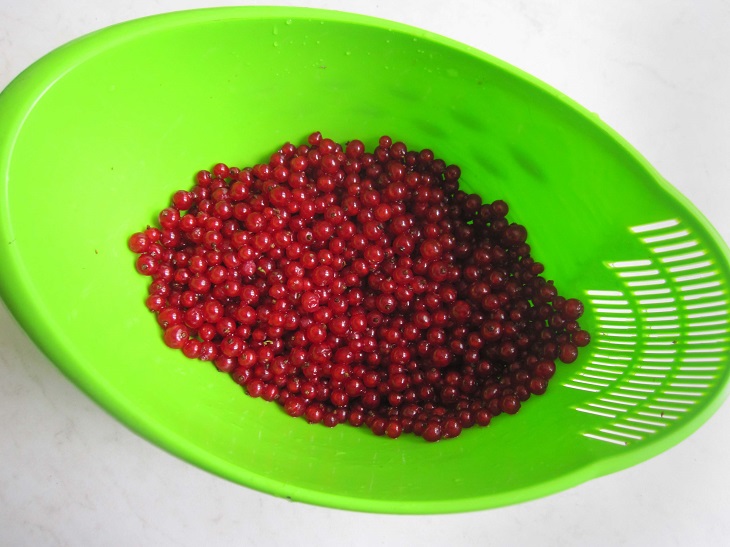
(97, 135)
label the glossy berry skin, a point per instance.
(176, 336)
(360, 286)
(139, 242)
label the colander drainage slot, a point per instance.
(657, 340)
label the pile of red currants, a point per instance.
(358, 287)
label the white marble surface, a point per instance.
(656, 70)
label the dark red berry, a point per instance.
(360, 287)
(572, 309)
(176, 336)
(432, 432)
(581, 338)
(139, 243)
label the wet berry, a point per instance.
(359, 287)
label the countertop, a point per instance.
(656, 71)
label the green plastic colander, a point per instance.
(96, 136)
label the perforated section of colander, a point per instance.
(660, 343)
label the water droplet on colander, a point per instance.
(288, 21)
(276, 30)
(276, 44)
(348, 53)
